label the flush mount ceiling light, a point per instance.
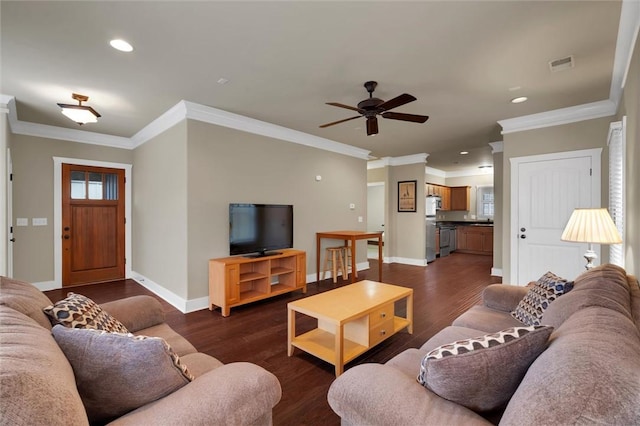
(121, 45)
(464, 152)
(519, 100)
(81, 114)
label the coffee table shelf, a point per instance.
(351, 320)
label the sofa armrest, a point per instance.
(239, 393)
(136, 312)
(378, 394)
(503, 297)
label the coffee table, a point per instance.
(351, 320)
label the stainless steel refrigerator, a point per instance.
(432, 205)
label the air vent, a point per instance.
(561, 64)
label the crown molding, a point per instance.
(223, 118)
(435, 172)
(627, 35)
(181, 111)
(558, 116)
(496, 147)
(397, 161)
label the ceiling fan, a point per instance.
(372, 107)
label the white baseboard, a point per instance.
(181, 304)
(47, 285)
(496, 272)
(362, 266)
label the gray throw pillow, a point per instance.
(483, 373)
(547, 289)
(117, 373)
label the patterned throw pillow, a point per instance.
(483, 373)
(547, 289)
(117, 373)
(78, 311)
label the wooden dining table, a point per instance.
(349, 238)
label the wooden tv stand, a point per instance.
(237, 280)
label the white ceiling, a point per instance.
(462, 60)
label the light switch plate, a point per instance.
(22, 221)
(39, 221)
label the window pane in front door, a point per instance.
(78, 185)
(95, 186)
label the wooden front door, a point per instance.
(93, 224)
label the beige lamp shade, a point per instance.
(591, 226)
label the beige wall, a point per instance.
(630, 106)
(438, 180)
(568, 137)
(227, 166)
(33, 251)
(498, 218)
(4, 144)
(377, 175)
(405, 233)
(160, 222)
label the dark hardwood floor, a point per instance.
(258, 332)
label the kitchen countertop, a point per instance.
(464, 223)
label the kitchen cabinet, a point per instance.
(444, 192)
(460, 198)
(475, 239)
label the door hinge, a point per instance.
(590, 172)
(125, 260)
(11, 177)
(11, 230)
(125, 179)
(125, 220)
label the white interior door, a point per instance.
(548, 190)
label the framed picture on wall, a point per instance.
(407, 195)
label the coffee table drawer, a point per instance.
(381, 315)
(379, 332)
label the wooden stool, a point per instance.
(335, 255)
(347, 261)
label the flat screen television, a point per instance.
(258, 229)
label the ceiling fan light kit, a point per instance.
(372, 107)
(81, 114)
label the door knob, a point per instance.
(13, 240)
(523, 236)
(66, 228)
(522, 229)
(66, 237)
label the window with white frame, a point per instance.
(485, 203)
(616, 144)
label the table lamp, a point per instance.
(593, 226)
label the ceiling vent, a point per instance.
(561, 64)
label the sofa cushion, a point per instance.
(547, 289)
(37, 385)
(482, 373)
(589, 374)
(78, 311)
(25, 298)
(116, 373)
(605, 286)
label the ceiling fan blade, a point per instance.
(342, 106)
(405, 98)
(372, 126)
(340, 121)
(405, 117)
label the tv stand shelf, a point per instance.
(237, 280)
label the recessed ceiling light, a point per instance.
(121, 45)
(222, 80)
(519, 100)
(464, 152)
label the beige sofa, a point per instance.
(37, 384)
(588, 374)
